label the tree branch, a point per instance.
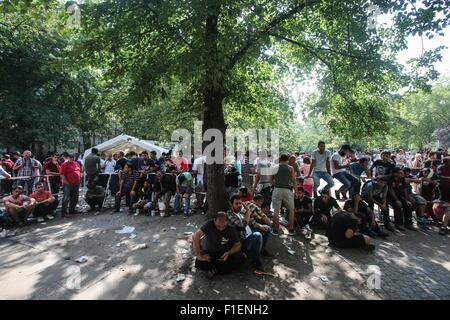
(265, 31)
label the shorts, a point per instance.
(283, 196)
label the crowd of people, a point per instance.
(264, 194)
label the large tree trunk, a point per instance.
(215, 181)
(213, 102)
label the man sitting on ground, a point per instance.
(399, 199)
(303, 211)
(375, 192)
(261, 219)
(46, 203)
(221, 252)
(239, 216)
(95, 196)
(366, 219)
(19, 206)
(144, 196)
(323, 206)
(342, 232)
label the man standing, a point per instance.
(262, 183)
(283, 181)
(320, 167)
(52, 168)
(92, 164)
(222, 251)
(26, 167)
(70, 176)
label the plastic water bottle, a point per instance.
(162, 208)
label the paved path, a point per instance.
(39, 264)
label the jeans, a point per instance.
(70, 197)
(317, 175)
(265, 236)
(253, 245)
(186, 201)
(352, 184)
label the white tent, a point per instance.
(126, 144)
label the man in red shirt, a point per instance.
(70, 177)
(52, 167)
(19, 206)
(46, 203)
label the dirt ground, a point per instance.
(39, 263)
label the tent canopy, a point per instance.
(126, 144)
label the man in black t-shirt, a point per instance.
(342, 233)
(303, 207)
(222, 246)
(383, 167)
(322, 208)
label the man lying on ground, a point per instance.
(342, 232)
(221, 252)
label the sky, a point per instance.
(300, 92)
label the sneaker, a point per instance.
(292, 232)
(275, 232)
(443, 231)
(399, 228)
(40, 219)
(211, 273)
(50, 217)
(389, 227)
(368, 247)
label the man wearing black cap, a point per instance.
(339, 171)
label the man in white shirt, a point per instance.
(198, 170)
(339, 171)
(320, 167)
